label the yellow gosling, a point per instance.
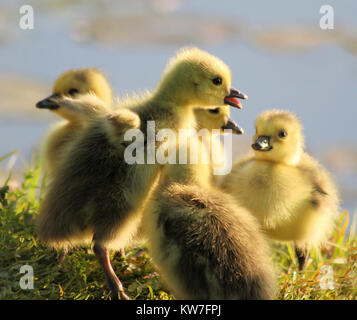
(292, 196)
(216, 119)
(71, 83)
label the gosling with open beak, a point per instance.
(232, 98)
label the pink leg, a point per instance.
(113, 281)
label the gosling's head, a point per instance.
(278, 137)
(196, 78)
(82, 107)
(73, 83)
(216, 118)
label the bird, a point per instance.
(204, 245)
(63, 228)
(216, 119)
(212, 123)
(96, 195)
(287, 190)
(71, 83)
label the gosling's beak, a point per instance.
(236, 129)
(232, 98)
(48, 103)
(262, 144)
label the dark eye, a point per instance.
(217, 81)
(215, 111)
(282, 134)
(72, 91)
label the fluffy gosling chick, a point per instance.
(204, 245)
(216, 119)
(105, 204)
(291, 195)
(208, 120)
(70, 83)
(62, 221)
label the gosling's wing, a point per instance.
(318, 195)
(323, 188)
(123, 119)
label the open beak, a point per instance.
(262, 144)
(48, 103)
(232, 98)
(236, 129)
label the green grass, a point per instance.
(80, 277)
(338, 255)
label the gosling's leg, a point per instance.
(113, 281)
(302, 253)
(61, 257)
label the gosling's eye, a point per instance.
(214, 111)
(72, 91)
(282, 134)
(217, 81)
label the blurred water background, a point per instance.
(278, 54)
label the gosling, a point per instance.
(208, 120)
(84, 204)
(292, 196)
(213, 123)
(68, 190)
(71, 83)
(205, 245)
